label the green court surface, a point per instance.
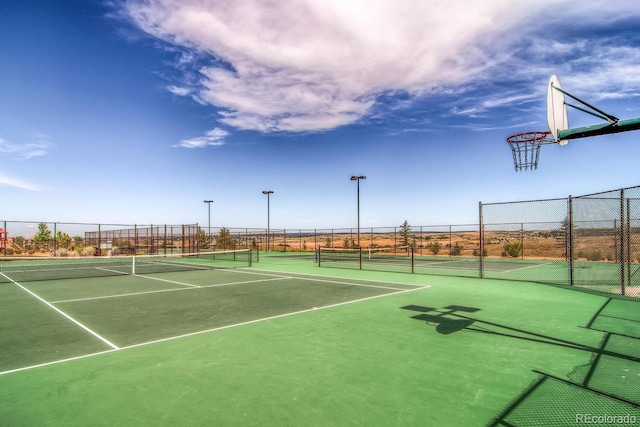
(288, 343)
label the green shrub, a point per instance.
(456, 249)
(88, 251)
(63, 253)
(476, 252)
(512, 250)
(594, 256)
(434, 247)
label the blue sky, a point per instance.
(137, 111)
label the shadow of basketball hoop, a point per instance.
(444, 325)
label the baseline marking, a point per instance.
(166, 290)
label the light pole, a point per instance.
(357, 179)
(208, 202)
(268, 193)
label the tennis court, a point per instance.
(286, 342)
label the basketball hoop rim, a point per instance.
(540, 137)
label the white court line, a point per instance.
(273, 278)
(220, 328)
(55, 362)
(426, 263)
(48, 304)
(166, 290)
(346, 283)
(278, 316)
(121, 273)
(165, 280)
(330, 279)
(523, 268)
(341, 278)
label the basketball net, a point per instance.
(525, 147)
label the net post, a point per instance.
(133, 265)
(412, 260)
(623, 239)
(360, 256)
(3, 240)
(319, 256)
(481, 236)
(569, 238)
(250, 257)
(629, 275)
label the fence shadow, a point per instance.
(604, 391)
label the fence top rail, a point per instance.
(524, 201)
(524, 222)
(605, 198)
(610, 191)
(99, 224)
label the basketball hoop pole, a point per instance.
(601, 129)
(601, 114)
(613, 125)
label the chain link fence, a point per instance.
(26, 238)
(590, 241)
(605, 236)
(525, 241)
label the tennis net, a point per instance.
(28, 269)
(388, 255)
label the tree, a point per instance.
(203, 239)
(347, 243)
(43, 235)
(225, 240)
(405, 233)
(63, 239)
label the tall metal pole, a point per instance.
(208, 202)
(357, 179)
(268, 193)
(358, 185)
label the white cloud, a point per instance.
(39, 146)
(214, 137)
(304, 65)
(8, 181)
(180, 91)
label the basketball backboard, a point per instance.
(556, 110)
